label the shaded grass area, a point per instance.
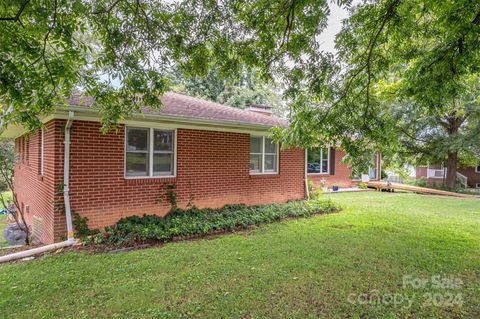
(7, 195)
(305, 268)
(3, 218)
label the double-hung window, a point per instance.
(263, 155)
(163, 152)
(317, 160)
(149, 152)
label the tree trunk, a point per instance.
(451, 170)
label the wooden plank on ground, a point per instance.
(417, 189)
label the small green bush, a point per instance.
(421, 182)
(197, 222)
(80, 225)
(363, 185)
(316, 193)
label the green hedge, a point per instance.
(197, 222)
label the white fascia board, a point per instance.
(149, 120)
(167, 121)
(13, 131)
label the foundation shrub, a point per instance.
(197, 222)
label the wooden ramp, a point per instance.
(385, 186)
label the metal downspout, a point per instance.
(66, 196)
(307, 192)
(66, 177)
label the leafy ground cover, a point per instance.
(322, 266)
(196, 222)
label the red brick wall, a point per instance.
(212, 170)
(473, 177)
(341, 176)
(420, 172)
(342, 173)
(32, 189)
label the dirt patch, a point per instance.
(10, 250)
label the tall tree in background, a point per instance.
(405, 80)
(448, 133)
(425, 52)
(239, 93)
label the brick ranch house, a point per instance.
(213, 154)
(436, 174)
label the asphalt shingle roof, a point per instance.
(183, 106)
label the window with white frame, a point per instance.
(317, 160)
(163, 152)
(149, 152)
(263, 155)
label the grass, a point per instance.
(305, 268)
(7, 195)
(3, 223)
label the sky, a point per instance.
(327, 38)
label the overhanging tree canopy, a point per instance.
(423, 52)
(406, 80)
(115, 50)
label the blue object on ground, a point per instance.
(3, 211)
(14, 234)
(335, 188)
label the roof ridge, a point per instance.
(235, 109)
(185, 106)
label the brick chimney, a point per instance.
(260, 109)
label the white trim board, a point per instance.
(151, 120)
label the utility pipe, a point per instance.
(66, 177)
(35, 251)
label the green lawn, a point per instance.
(305, 268)
(3, 223)
(7, 195)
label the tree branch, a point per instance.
(47, 35)
(107, 10)
(458, 43)
(16, 18)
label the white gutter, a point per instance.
(92, 115)
(66, 177)
(178, 118)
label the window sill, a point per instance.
(318, 174)
(260, 175)
(148, 179)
